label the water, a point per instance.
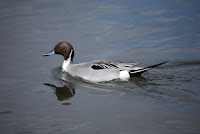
(36, 97)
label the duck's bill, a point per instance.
(50, 53)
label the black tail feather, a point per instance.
(142, 70)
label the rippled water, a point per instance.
(36, 97)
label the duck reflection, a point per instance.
(62, 93)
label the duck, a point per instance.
(98, 70)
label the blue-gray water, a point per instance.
(36, 97)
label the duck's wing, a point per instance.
(105, 64)
(130, 67)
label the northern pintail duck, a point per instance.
(99, 70)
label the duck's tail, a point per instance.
(142, 70)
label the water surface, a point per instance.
(36, 97)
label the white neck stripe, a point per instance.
(67, 62)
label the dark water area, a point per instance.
(36, 97)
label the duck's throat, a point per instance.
(66, 64)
